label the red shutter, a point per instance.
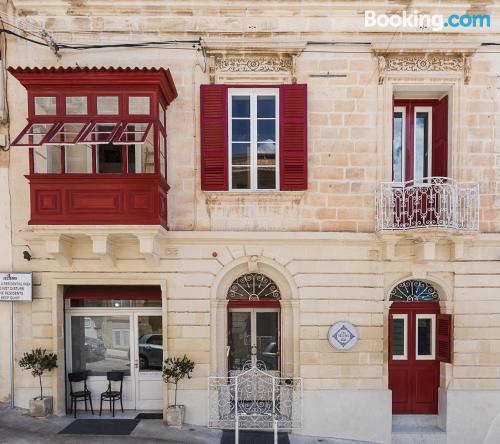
(440, 138)
(214, 151)
(444, 338)
(293, 137)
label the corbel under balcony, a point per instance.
(59, 247)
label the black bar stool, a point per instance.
(80, 395)
(113, 395)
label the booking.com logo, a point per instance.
(436, 22)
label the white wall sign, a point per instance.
(342, 335)
(16, 287)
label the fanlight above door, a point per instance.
(253, 287)
(413, 290)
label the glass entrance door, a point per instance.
(148, 361)
(253, 339)
(126, 340)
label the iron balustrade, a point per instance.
(431, 202)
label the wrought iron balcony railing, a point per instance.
(431, 202)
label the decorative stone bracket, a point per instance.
(424, 62)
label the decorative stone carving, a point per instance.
(253, 64)
(423, 62)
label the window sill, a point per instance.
(242, 197)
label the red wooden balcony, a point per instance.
(97, 144)
(83, 199)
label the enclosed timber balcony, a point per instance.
(428, 203)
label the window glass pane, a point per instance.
(35, 134)
(162, 156)
(241, 178)
(78, 159)
(47, 159)
(397, 147)
(133, 133)
(241, 106)
(398, 337)
(266, 154)
(150, 343)
(266, 130)
(100, 133)
(115, 303)
(67, 133)
(241, 130)
(148, 154)
(107, 105)
(424, 332)
(162, 115)
(421, 144)
(240, 339)
(109, 159)
(138, 105)
(266, 178)
(100, 344)
(241, 154)
(266, 106)
(131, 165)
(76, 105)
(45, 106)
(267, 339)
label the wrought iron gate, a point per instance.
(254, 400)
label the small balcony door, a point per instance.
(420, 139)
(253, 339)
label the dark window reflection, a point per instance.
(150, 343)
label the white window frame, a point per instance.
(432, 356)
(253, 93)
(428, 110)
(404, 356)
(402, 110)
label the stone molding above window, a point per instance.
(424, 62)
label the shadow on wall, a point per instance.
(493, 435)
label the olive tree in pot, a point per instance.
(175, 369)
(39, 361)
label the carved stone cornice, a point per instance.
(423, 62)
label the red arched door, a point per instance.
(253, 337)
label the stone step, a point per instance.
(415, 420)
(417, 435)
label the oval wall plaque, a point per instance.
(342, 335)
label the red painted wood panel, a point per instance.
(414, 383)
(293, 137)
(81, 199)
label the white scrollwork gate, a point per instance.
(255, 400)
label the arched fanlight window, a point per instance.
(253, 287)
(413, 290)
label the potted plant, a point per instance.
(175, 369)
(39, 361)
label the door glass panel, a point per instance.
(397, 147)
(398, 338)
(421, 144)
(424, 337)
(150, 346)
(240, 339)
(267, 339)
(100, 344)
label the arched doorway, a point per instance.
(414, 348)
(254, 324)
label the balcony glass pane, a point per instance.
(109, 159)
(421, 145)
(34, 134)
(76, 105)
(162, 155)
(101, 133)
(148, 154)
(397, 147)
(107, 105)
(78, 159)
(138, 105)
(133, 133)
(67, 134)
(47, 159)
(45, 106)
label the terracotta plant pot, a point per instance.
(175, 415)
(41, 407)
